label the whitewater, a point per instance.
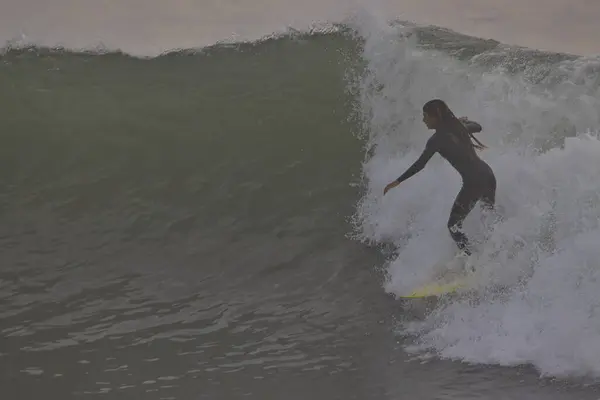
(541, 130)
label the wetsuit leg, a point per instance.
(488, 195)
(464, 203)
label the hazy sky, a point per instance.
(151, 26)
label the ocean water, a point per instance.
(207, 222)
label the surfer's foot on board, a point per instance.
(458, 262)
(462, 263)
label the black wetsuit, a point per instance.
(479, 182)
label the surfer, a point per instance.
(454, 140)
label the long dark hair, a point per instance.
(447, 118)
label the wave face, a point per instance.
(540, 114)
(194, 202)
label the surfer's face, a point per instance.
(430, 120)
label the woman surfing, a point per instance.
(453, 139)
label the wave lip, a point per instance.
(152, 27)
(149, 28)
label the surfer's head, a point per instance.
(436, 114)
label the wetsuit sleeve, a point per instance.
(472, 126)
(430, 150)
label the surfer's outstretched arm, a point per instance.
(421, 161)
(417, 166)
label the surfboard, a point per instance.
(440, 288)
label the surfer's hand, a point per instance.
(389, 186)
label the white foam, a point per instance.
(546, 250)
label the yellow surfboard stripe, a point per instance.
(437, 289)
